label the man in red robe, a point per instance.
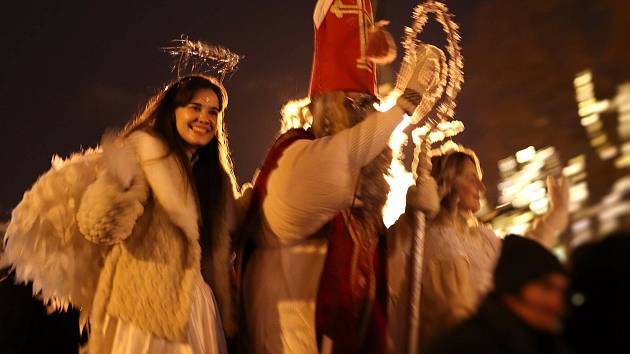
(316, 277)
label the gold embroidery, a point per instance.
(364, 241)
(366, 21)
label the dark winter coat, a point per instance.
(494, 329)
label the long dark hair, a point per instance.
(212, 176)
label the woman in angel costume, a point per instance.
(460, 252)
(315, 277)
(137, 236)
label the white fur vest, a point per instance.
(147, 276)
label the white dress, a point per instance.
(457, 274)
(205, 332)
(458, 266)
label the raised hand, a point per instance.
(418, 86)
(558, 189)
(427, 70)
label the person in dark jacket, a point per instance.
(523, 314)
(600, 297)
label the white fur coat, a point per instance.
(144, 249)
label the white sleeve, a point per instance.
(315, 179)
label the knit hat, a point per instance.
(521, 261)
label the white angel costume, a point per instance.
(129, 258)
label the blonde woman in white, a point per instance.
(460, 252)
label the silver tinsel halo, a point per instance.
(197, 57)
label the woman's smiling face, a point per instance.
(197, 121)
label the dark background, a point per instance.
(71, 69)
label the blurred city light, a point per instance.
(523, 194)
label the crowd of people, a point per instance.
(152, 247)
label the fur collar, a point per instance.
(176, 196)
(169, 186)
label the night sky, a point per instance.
(71, 69)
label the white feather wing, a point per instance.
(42, 242)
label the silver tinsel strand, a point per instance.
(197, 57)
